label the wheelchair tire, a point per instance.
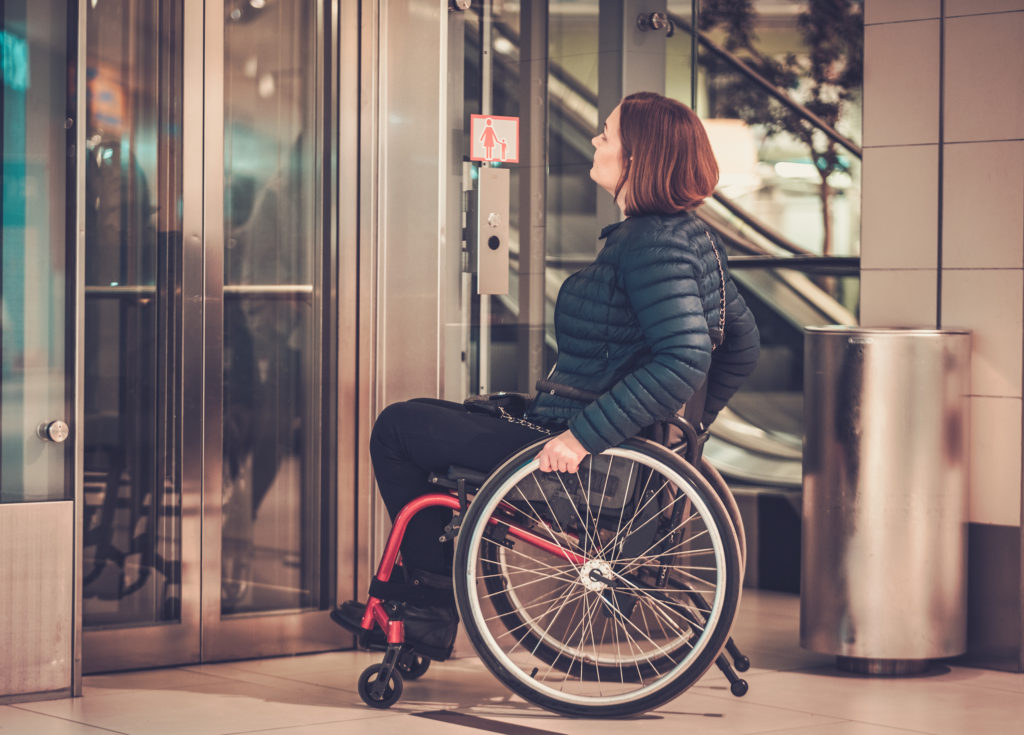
(376, 690)
(411, 665)
(568, 619)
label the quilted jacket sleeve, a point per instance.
(661, 288)
(735, 358)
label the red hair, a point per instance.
(666, 156)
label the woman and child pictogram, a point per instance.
(495, 138)
(489, 138)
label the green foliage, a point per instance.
(824, 77)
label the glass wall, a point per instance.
(490, 85)
(33, 207)
(786, 188)
(573, 119)
(776, 163)
(779, 93)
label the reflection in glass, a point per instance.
(573, 119)
(272, 334)
(572, 220)
(33, 39)
(772, 159)
(131, 571)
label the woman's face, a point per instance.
(607, 168)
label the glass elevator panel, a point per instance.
(34, 410)
(273, 387)
(132, 388)
(208, 393)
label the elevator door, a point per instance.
(207, 495)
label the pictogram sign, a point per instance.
(494, 138)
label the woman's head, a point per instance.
(654, 156)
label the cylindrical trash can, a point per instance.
(884, 554)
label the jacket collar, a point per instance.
(609, 229)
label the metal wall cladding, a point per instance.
(885, 480)
(36, 597)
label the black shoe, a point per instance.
(430, 629)
(429, 614)
(425, 603)
(349, 615)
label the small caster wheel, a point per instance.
(738, 687)
(412, 665)
(377, 692)
(742, 663)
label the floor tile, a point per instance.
(850, 728)
(223, 707)
(156, 679)
(1000, 680)
(791, 691)
(931, 704)
(397, 723)
(692, 712)
(767, 631)
(18, 721)
(281, 666)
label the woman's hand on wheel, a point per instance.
(562, 453)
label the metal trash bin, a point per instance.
(884, 554)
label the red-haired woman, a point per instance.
(639, 332)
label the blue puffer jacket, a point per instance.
(633, 327)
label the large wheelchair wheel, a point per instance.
(604, 592)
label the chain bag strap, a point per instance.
(498, 405)
(522, 421)
(718, 334)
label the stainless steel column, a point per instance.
(885, 492)
(533, 173)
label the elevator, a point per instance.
(209, 332)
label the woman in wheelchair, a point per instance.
(652, 321)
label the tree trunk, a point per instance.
(826, 215)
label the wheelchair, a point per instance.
(605, 592)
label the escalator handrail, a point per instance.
(819, 265)
(770, 88)
(760, 228)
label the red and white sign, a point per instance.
(494, 138)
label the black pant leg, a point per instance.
(412, 439)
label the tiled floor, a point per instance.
(791, 691)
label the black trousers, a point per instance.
(412, 439)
